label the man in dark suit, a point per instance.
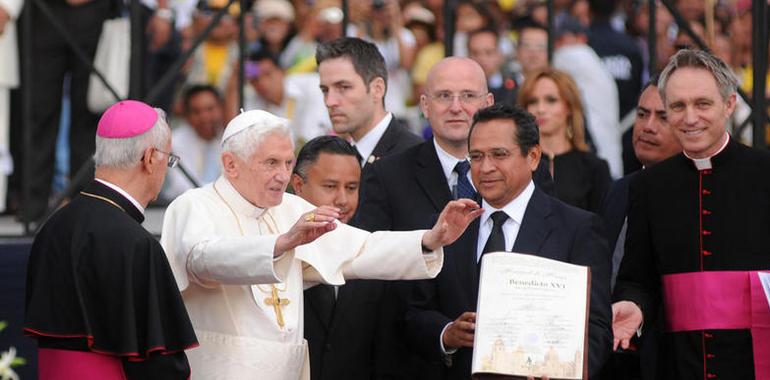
(408, 191)
(653, 141)
(504, 151)
(354, 81)
(344, 325)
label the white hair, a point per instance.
(244, 143)
(124, 153)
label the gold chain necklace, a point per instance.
(101, 198)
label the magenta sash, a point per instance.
(56, 364)
(721, 301)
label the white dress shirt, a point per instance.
(366, 145)
(515, 211)
(448, 163)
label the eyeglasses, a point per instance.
(446, 98)
(499, 154)
(173, 159)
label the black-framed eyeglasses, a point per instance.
(173, 159)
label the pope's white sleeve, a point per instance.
(198, 253)
(350, 253)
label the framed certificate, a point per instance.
(532, 318)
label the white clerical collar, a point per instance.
(705, 163)
(123, 193)
(514, 209)
(239, 204)
(366, 145)
(446, 160)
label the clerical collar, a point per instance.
(366, 145)
(123, 193)
(705, 163)
(514, 209)
(239, 204)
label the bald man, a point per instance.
(409, 189)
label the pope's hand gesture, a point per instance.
(452, 222)
(626, 319)
(310, 226)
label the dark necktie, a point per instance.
(359, 157)
(464, 187)
(496, 240)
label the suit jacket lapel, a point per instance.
(430, 176)
(387, 142)
(535, 226)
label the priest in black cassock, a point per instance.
(698, 241)
(101, 298)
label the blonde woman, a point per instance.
(580, 177)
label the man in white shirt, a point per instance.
(504, 150)
(242, 252)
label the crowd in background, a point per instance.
(599, 65)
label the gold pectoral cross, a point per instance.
(277, 302)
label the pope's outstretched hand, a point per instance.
(310, 226)
(452, 222)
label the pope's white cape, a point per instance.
(220, 247)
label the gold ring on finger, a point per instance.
(310, 217)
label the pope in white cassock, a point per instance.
(242, 253)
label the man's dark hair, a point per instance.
(265, 55)
(527, 22)
(482, 30)
(309, 153)
(480, 8)
(366, 58)
(653, 81)
(196, 89)
(527, 133)
(602, 9)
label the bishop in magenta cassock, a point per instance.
(101, 298)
